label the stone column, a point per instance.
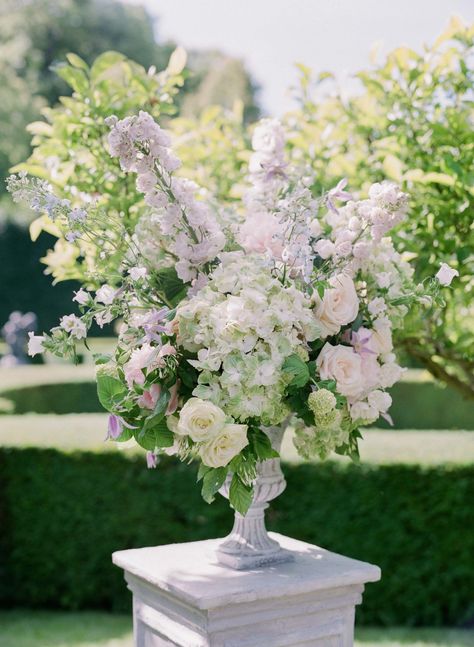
(183, 596)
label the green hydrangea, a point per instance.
(323, 404)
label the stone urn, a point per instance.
(248, 546)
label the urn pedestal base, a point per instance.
(183, 597)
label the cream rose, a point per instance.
(339, 305)
(201, 420)
(219, 451)
(343, 364)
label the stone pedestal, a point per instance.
(183, 597)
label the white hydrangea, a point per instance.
(242, 326)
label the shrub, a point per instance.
(63, 514)
(416, 405)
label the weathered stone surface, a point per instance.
(184, 597)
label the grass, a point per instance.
(86, 431)
(95, 629)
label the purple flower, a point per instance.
(115, 427)
(151, 460)
(338, 193)
(360, 341)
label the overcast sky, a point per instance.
(271, 35)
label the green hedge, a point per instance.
(416, 405)
(63, 514)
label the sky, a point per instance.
(271, 35)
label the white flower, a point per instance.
(363, 411)
(262, 233)
(82, 297)
(102, 318)
(325, 248)
(74, 326)
(446, 274)
(339, 305)
(35, 344)
(343, 364)
(221, 449)
(201, 420)
(384, 279)
(376, 306)
(379, 400)
(268, 137)
(105, 294)
(315, 228)
(389, 374)
(381, 339)
(137, 273)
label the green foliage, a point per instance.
(75, 136)
(109, 391)
(42, 33)
(212, 481)
(240, 494)
(411, 122)
(410, 521)
(297, 370)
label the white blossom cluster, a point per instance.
(243, 325)
(295, 317)
(187, 232)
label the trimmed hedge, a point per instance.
(63, 514)
(416, 405)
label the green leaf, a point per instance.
(171, 285)
(73, 77)
(262, 446)
(212, 482)
(177, 61)
(202, 471)
(240, 495)
(157, 436)
(295, 366)
(110, 391)
(104, 62)
(77, 61)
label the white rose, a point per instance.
(343, 364)
(446, 274)
(200, 419)
(339, 305)
(229, 442)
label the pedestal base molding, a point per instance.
(183, 597)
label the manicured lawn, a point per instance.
(87, 431)
(91, 629)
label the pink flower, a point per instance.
(262, 233)
(150, 397)
(173, 403)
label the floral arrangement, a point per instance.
(231, 319)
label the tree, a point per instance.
(412, 122)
